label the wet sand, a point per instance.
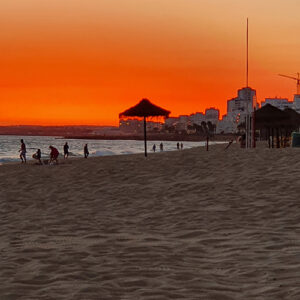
(179, 225)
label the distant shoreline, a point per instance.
(157, 137)
(150, 137)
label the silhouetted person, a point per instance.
(243, 140)
(66, 150)
(86, 151)
(177, 146)
(23, 152)
(154, 148)
(53, 154)
(161, 147)
(181, 146)
(38, 156)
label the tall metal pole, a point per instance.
(145, 136)
(247, 68)
(248, 134)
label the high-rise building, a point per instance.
(244, 102)
(237, 109)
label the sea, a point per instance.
(10, 146)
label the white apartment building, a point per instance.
(226, 125)
(296, 103)
(280, 103)
(212, 115)
(237, 109)
(197, 118)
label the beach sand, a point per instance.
(179, 225)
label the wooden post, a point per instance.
(145, 136)
(207, 139)
(253, 129)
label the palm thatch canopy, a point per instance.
(270, 116)
(145, 109)
(294, 117)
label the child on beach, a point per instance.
(53, 154)
(66, 150)
(23, 151)
(38, 156)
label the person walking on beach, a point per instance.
(181, 146)
(161, 146)
(66, 150)
(86, 151)
(53, 155)
(23, 152)
(154, 148)
(38, 156)
(177, 146)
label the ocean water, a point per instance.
(10, 145)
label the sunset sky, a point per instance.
(84, 61)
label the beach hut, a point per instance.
(143, 110)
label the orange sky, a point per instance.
(84, 61)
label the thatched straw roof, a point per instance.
(270, 116)
(145, 109)
(294, 117)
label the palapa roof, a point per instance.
(270, 116)
(145, 109)
(294, 117)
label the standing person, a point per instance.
(66, 150)
(161, 146)
(177, 146)
(86, 151)
(53, 154)
(23, 151)
(38, 156)
(181, 146)
(154, 148)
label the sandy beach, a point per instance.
(186, 224)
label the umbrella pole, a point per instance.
(145, 136)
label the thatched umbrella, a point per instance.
(270, 117)
(145, 109)
(294, 118)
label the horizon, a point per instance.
(75, 63)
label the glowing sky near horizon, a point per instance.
(84, 61)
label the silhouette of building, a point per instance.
(296, 103)
(182, 122)
(135, 126)
(197, 118)
(212, 115)
(280, 103)
(237, 109)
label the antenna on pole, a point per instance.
(247, 69)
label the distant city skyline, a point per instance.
(69, 62)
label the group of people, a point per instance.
(54, 153)
(179, 146)
(161, 147)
